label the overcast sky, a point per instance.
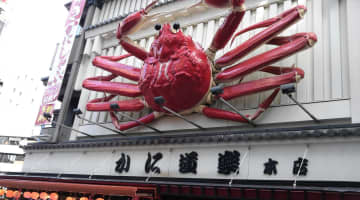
(27, 45)
(29, 40)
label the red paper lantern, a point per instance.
(9, 194)
(27, 195)
(44, 196)
(17, 194)
(34, 195)
(54, 196)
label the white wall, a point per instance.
(353, 40)
(20, 98)
(12, 167)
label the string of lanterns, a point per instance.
(9, 194)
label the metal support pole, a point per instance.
(181, 117)
(289, 89)
(67, 127)
(115, 106)
(102, 126)
(303, 108)
(238, 170)
(301, 165)
(78, 112)
(216, 91)
(160, 101)
(237, 111)
(71, 82)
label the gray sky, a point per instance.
(27, 45)
(29, 40)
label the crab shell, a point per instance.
(178, 70)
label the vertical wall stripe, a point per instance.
(326, 65)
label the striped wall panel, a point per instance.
(325, 66)
(120, 8)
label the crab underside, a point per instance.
(178, 73)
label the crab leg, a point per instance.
(227, 29)
(109, 64)
(103, 104)
(227, 115)
(103, 84)
(146, 119)
(277, 70)
(257, 62)
(222, 114)
(275, 26)
(131, 24)
(261, 85)
(265, 104)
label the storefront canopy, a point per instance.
(74, 187)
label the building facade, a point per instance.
(11, 153)
(3, 17)
(287, 155)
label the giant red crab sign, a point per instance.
(182, 73)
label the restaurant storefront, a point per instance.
(285, 154)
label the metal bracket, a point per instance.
(115, 107)
(288, 89)
(161, 101)
(78, 112)
(216, 91)
(48, 118)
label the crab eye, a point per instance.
(157, 27)
(176, 26)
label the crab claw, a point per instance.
(134, 21)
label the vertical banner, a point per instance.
(61, 60)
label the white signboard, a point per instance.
(320, 162)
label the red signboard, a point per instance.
(54, 85)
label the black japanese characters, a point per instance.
(229, 162)
(150, 165)
(270, 167)
(123, 164)
(188, 163)
(300, 164)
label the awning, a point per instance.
(11, 149)
(77, 188)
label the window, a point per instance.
(7, 158)
(20, 158)
(14, 142)
(4, 140)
